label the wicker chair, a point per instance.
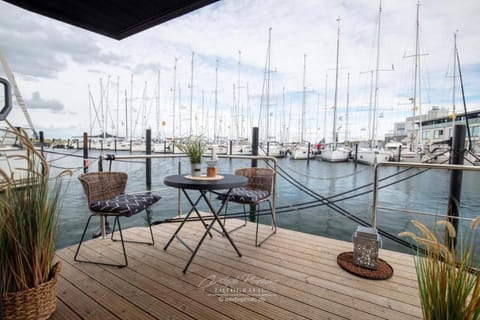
(106, 197)
(258, 189)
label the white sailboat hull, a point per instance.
(302, 153)
(336, 155)
(373, 156)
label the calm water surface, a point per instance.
(427, 192)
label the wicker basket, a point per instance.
(35, 303)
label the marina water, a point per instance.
(426, 192)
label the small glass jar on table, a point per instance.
(211, 168)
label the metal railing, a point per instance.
(378, 166)
(113, 157)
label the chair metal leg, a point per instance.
(133, 241)
(81, 239)
(102, 263)
(149, 221)
(238, 227)
(274, 225)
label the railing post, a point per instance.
(399, 153)
(356, 154)
(308, 154)
(254, 164)
(85, 152)
(255, 146)
(42, 142)
(148, 161)
(100, 163)
(458, 150)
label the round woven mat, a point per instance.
(383, 271)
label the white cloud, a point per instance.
(60, 61)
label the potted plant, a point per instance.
(194, 147)
(448, 279)
(28, 227)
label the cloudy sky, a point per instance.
(60, 69)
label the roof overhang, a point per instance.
(116, 19)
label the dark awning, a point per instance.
(117, 19)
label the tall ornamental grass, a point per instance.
(194, 147)
(448, 279)
(28, 219)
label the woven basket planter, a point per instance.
(36, 303)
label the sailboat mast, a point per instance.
(173, 96)
(415, 79)
(215, 120)
(375, 96)
(191, 95)
(90, 111)
(302, 129)
(239, 114)
(268, 81)
(325, 111)
(454, 115)
(126, 115)
(118, 105)
(317, 124)
(348, 104)
(334, 129)
(131, 106)
(180, 110)
(157, 113)
(102, 111)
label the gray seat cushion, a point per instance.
(125, 204)
(246, 195)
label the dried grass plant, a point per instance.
(448, 279)
(28, 219)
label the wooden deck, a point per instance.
(292, 276)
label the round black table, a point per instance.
(228, 182)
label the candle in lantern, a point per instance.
(214, 154)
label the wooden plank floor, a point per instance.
(292, 276)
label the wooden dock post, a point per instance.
(255, 145)
(254, 164)
(356, 154)
(308, 154)
(148, 161)
(85, 152)
(457, 157)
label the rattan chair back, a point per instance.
(258, 178)
(100, 186)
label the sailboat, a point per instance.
(373, 155)
(334, 153)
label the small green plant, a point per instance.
(448, 280)
(194, 147)
(28, 220)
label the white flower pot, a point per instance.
(196, 169)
